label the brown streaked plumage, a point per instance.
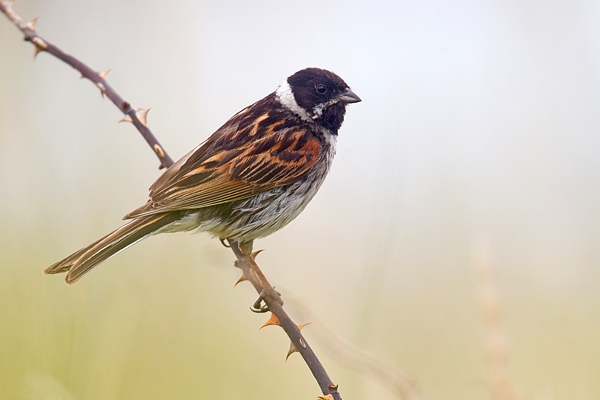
(250, 178)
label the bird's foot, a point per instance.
(260, 305)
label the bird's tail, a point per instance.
(82, 261)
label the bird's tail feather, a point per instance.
(83, 260)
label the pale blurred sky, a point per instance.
(479, 122)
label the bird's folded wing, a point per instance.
(221, 171)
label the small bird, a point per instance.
(250, 178)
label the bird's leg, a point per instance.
(243, 251)
(246, 247)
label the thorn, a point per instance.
(31, 25)
(293, 348)
(81, 75)
(253, 255)
(242, 279)
(142, 114)
(273, 320)
(126, 118)
(103, 75)
(102, 88)
(36, 51)
(323, 397)
(300, 326)
(39, 44)
(291, 351)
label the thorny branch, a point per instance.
(138, 118)
(299, 344)
(135, 116)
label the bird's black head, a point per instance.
(317, 95)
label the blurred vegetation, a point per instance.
(479, 124)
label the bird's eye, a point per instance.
(320, 88)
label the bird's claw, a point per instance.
(260, 306)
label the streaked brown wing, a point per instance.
(242, 166)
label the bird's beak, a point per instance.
(349, 97)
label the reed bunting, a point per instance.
(250, 178)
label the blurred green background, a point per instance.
(479, 129)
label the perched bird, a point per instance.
(250, 178)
